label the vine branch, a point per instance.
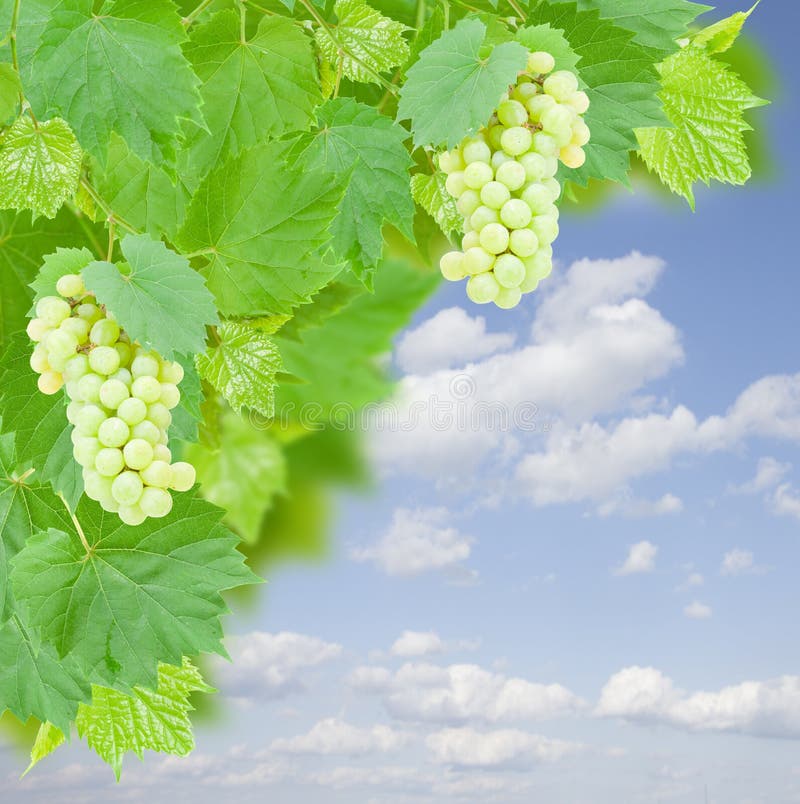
(193, 15)
(111, 216)
(78, 528)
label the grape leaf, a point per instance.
(48, 739)
(146, 720)
(242, 365)
(40, 164)
(705, 102)
(621, 81)
(242, 473)
(188, 414)
(251, 90)
(161, 302)
(656, 23)
(120, 70)
(328, 302)
(451, 90)
(426, 35)
(545, 37)
(34, 681)
(430, 193)
(356, 139)
(61, 262)
(364, 41)
(263, 223)
(139, 596)
(722, 35)
(10, 87)
(140, 193)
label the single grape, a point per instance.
(557, 119)
(109, 462)
(541, 62)
(90, 312)
(537, 197)
(540, 265)
(37, 329)
(50, 382)
(89, 419)
(534, 165)
(452, 266)
(561, 85)
(573, 156)
(580, 133)
(481, 289)
(113, 432)
(554, 187)
(53, 310)
(451, 161)
(156, 502)
(123, 376)
(530, 282)
(183, 475)
(146, 388)
(104, 332)
(523, 242)
(468, 203)
(159, 473)
(579, 101)
(171, 372)
(161, 453)
(95, 485)
(516, 214)
(546, 228)
(138, 453)
(500, 158)
(512, 113)
(76, 367)
(70, 286)
(477, 174)
(148, 431)
(508, 298)
(495, 135)
(544, 144)
(85, 451)
(455, 184)
(132, 411)
(127, 488)
(476, 150)
(478, 261)
(512, 174)
(524, 92)
(494, 238)
(39, 361)
(73, 409)
(516, 141)
(470, 240)
(124, 352)
(550, 167)
(103, 359)
(482, 217)
(131, 515)
(113, 393)
(61, 346)
(538, 105)
(509, 271)
(145, 365)
(89, 388)
(495, 194)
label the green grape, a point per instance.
(183, 475)
(95, 485)
(171, 372)
(476, 151)
(124, 352)
(516, 214)
(113, 432)
(512, 113)
(70, 286)
(523, 242)
(146, 388)
(123, 376)
(468, 203)
(545, 228)
(558, 118)
(452, 266)
(540, 265)
(477, 174)
(538, 105)
(509, 271)
(541, 63)
(478, 261)
(50, 382)
(494, 238)
(580, 133)
(554, 187)
(470, 240)
(144, 365)
(561, 85)
(76, 367)
(524, 92)
(544, 144)
(495, 134)
(103, 359)
(512, 174)
(159, 412)
(159, 473)
(104, 332)
(113, 393)
(109, 462)
(481, 289)
(579, 101)
(39, 361)
(455, 184)
(85, 451)
(495, 194)
(60, 345)
(127, 488)
(573, 156)
(90, 312)
(161, 453)
(37, 329)
(155, 502)
(148, 431)
(538, 198)
(451, 161)
(534, 165)
(138, 453)
(131, 515)
(53, 310)
(89, 419)
(500, 158)
(73, 409)
(77, 327)
(482, 217)
(132, 411)
(89, 388)
(531, 280)
(516, 141)
(551, 167)
(508, 298)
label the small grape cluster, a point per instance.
(120, 397)
(504, 180)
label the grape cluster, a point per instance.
(120, 400)
(504, 180)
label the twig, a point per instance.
(77, 525)
(112, 225)
(192, 16)
(109, 213)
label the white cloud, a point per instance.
(271, 665)
(467, 747)
(697, 611)
(785, 502)
(641, 559)
(417, 643)
(334, 736)
(460, 693)
(631, 507)
(759, 708)
(417, 541)
(740, 562)
(769, 472)
(450, 339)
(693, 579)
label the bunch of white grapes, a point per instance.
(504, 180)
(120, 397)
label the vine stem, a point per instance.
(520, 13)
(111, 216)
(342, 49)
(193, 15)
(112, 226)
(446, 6)
(77, 525)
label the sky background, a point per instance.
(598, 609)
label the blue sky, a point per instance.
(599, 611)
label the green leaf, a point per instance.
(722, 35)
(161, 302)
(34, 681)
(10, 87)
(430, 193)
(621, 81)
(364, 41)
(252, 90)
(40, 165)
(140, 595)
(263, 223)
(187, 416)
(60, 263)
(242, 473)
(357, 140)
(452, 90)
(328, 302)
(115, 724)
(48, 739)
(242, 366)
(705, 102)
(656, 23)
(118, 70)
(140, 193)
(545, 37)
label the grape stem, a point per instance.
(192, 16)
(77, 525)
(112, 225)
(517, 10)
(111, 216)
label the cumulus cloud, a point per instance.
(417, 643)
(271, 665)
(785, 502)
(641, 559)
(697, 611)
(334, 736)
(460, 693)
(769, 472)
(740, 562)
(467, 747)
(628, 506)
(417, 541)
(758, 708)
(450, 339)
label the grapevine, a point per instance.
(215, 217)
